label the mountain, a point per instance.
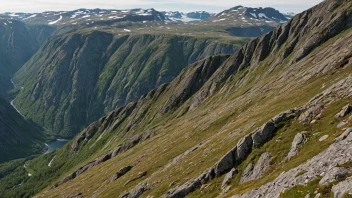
(18, 42)
(19, 138)
(271, 120)
(249, 15)
(198, 15)
(116, 69)
(85, 16)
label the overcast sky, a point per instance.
(167, 5)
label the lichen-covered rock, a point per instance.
(136, 191)
(344, 135)
(333, 174)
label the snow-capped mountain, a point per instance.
(250, 15)
(85, 16)
(187, 16)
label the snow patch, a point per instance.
(126, 30)
(34, 15)
(53, 22)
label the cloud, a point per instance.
(182, 5)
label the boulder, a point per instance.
(120, 173)
(324, 137)
(258, 170)
(263, 134)
(244, 148)
(228, 177)
(344, 135)
(344, 111)
(299, 139)
(136, 191)
(333, 174)
(225, 163)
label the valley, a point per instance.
(134, 103)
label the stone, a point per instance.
(342, 188)
(256, 172)
(228, 177)
(120, 173)
(333, 174)
(344, 111)
(136, 191)
(263, 134)
(344, 135)
(225, 163)
(140, 175)
(299, 139)
(324, 137)
(244, 148)
(341, 124)
(317, 195)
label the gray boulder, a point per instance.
(256, 172)
(344, 111)
(299, 139)
(228, 177)
(244, 148)
(226, 163)
(344, 135)
(120, 173)
(263, 134)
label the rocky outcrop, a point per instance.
(120, 173)
(257, 171)
(136, 191)
(344, 111)
(337, 153)
(334, 174)
(228, 177)
(342, 188)
(140, 175)
(236, 155)
(297, 44)
(298, 140)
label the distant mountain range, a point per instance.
(91, 16)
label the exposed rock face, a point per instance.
(342, 188)
(120, 173)
(298, 45)
(333, 174)
(344, 111)
(337, 153)
(256, 172)
(86, 75)
(299, 139)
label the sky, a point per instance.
(214, 6)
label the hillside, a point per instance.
(271, 120)
(19, 138)
(18, 42)
(84, 75)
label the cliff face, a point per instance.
(18, 42)
(19, 138)
(75, 79)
